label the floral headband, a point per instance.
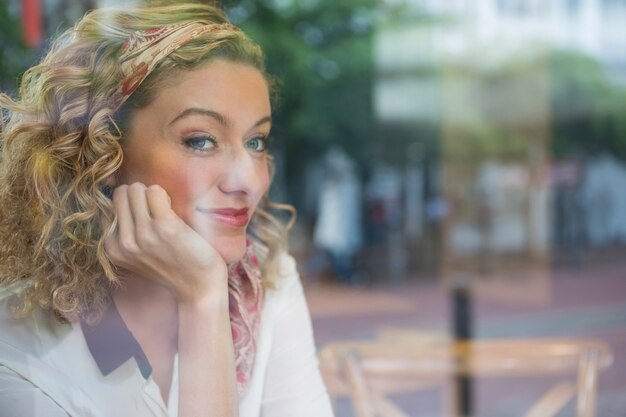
(144, 49)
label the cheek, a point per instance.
(185, 188)
(264, 182)
(179, 177)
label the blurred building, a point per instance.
(473, 75)
(500, 27)
(594, 27)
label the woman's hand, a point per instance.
(153, 242)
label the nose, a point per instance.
(244, 174)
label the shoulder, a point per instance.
(287, 287)
(14, 330)
(287, 266)
(36, 334)
(34, 352)
(287, 276)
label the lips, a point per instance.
(229, 216)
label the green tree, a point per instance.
(588, 105)
(15, 57)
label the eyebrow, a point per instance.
(220, 118)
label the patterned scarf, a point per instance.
(245, 296)
(145, 49)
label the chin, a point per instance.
(232, 249)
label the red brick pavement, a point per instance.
(585, 301)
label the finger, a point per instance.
(139, 207)
(159, 202)
(125, 222)
(116, 255)
(112, 250)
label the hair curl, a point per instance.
(61, 143)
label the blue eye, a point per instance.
(258, 144)
(201, 143)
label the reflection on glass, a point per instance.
(484, 160)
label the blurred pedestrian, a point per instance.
(338, 227)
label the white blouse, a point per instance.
(47, 369)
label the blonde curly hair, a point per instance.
(61, 144)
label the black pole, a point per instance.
(462, 315)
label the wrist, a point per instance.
(211, 302)
(204, 290)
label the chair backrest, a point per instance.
(369, 371)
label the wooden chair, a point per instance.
(369, 371)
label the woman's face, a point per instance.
(203, 139)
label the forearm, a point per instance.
(206, 360)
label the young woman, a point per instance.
(141, 271)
